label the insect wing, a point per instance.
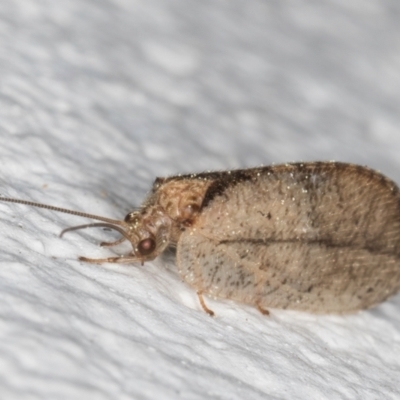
(296, 275)
(314, 240)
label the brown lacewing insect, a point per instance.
(318, 237)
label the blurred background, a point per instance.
(196, 86)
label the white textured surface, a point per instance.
(96, 99)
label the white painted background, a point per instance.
(99, 97)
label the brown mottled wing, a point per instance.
(313, 237)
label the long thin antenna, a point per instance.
(63, 210)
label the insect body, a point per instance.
(317, 237)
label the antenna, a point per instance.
(64, 210)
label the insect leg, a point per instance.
(203, 304)
(263, 311)
(109, 244)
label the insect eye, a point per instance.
(146, 246)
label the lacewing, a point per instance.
(320, 237)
